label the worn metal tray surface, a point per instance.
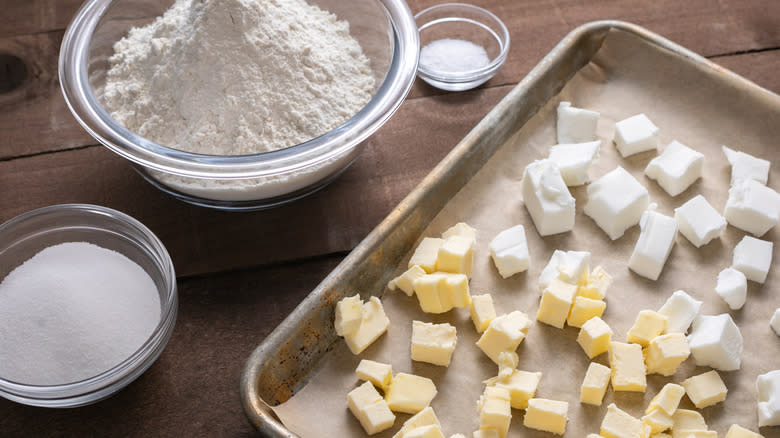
(284, 361)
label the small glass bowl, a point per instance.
(465, 22)
(27, 234)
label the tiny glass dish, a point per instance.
(26, 235)
(462, 46)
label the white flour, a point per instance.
(231, 77)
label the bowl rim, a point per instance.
(90, 114)
(502, 37)
(102, 385)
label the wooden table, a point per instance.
(240, 274)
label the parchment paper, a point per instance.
(626, 77)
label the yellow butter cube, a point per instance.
(461, 229)
(374, 323)
(596, 285)
(521, 386)
(647, 326)
(667, 399)
(557, 299)
(705, 389)
(546, 415)
(665, 353)
(504, 333)
(585, 309)
(495, 411)
(370, 408)
(507, 363)
(658, 420)
(348, 315)
(377, 373)
(426, 417)
(433, 343)
(594, 337)
(426, 253)
(409, 393)
(405, 281)
(737, 431)
(456, 255)
(430, 431)
(686, 421)
(430, 289)
(457, 288)
(482, 311)
(594, 385)
(628, 367)
(620, 424)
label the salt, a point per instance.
(453, 55)
(73, 311)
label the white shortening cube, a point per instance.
(745, 166)
(698, 221)
(753, 257)
(768, 388)
(547, 198)
(654, 244)
(570, 266)
(635, 134)
(576, 125)
(752, 207)
(574, 160)
(616, 202)
(433, 343)
(676, 168)
(715, 341)
(680, 309)
(732, 287)
(509, 250)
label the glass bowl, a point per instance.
(385, 30)
(27, 234)
(463, 23)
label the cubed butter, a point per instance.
(628, 367)
(348, 315)
(665, 353)
(426, 417)
(409, 393)
(575, 125)
(547, 198)
(618, 423)
(504, 333)
(547, 415)
(768, 389)
(705, 389)
(373, 324)
(521, 386)
(753, 257)
(440, 292)
(507, 364)
(658, 420)
(574, 160)
(430, 431)
(680, 309)
(732, 287)
(595, 383)
(648, 325)
(698, 221)
(405, 281)
(716, 341)
(495, 411)
(377, 373)
(667, 399)
(482, 311)
(686, 422)
(616, 202)
(676, 168)
(456, 255)
(737, 431)
(368, 406)
(745, 166)
(426, 253)
(556, 302)
(652, 249)
(461, 229)
(486, 433)
(594, 337)
(635, 134)
(509, 251)
(752, 207)
(433, 343)
(584, 309)
(596, 284)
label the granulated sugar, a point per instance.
(73, 311)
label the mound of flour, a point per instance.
(231, 77)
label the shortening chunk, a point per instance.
(635, 134)
(426, 417)
(665, 353)
(584, 309)
(628, 367)
(380, 374)
(680, 309)
(745, 166)
(618, 423)
(433, 343)
(405, 281)
(409, 393)
(655, 243)
(430, 431)
(547, 415)
(595, 383)
(570, 266)
(441, 291)
(616, 202)
(574, 160)
(495, 411)
(456, 255)
(509, 250)
(596, 284)
(368, 406)
(348, 315)
(556, 302)
(686, 421)
(373, 324)
(594, 337)
(667, 399)
(715, 341)
(575, 125)
(426, 253)
(768, 388)
(482, 311)
(705, 389)
(547, 198)
(676, 168)
(732, 287)
(504, 333)
(753, 257)
(737, 431)
(658, 420)
(648, 325)
(461, 229)
(698, 221)
(520, 384)
(752, 207)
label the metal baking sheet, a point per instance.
(283, 363)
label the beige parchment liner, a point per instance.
(626, 77)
